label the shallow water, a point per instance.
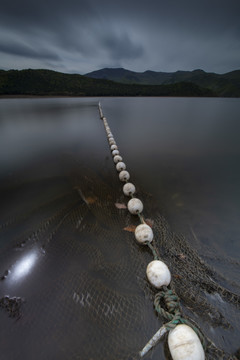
(184, 151)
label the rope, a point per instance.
(141, 218)
(153, 250)
(166, 302)
(172, 312)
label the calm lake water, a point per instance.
(185, 152)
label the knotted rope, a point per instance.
(172, 312)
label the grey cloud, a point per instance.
(159, 35)
(120, 47)
(25, 51)
(203, 16)
(44, 12)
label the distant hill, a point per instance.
(223, 85)
(51, 83)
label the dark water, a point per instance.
(184, 151)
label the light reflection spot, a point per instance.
(24, 266)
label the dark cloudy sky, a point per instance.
(81, 36)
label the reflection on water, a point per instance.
(31, 127)
(191, 145)
(185, 152)
(23, 266)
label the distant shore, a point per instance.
(47, 83)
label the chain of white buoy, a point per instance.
(183, 342)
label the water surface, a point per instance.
(183, 151)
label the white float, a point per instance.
(143, 233)
(115, 152)
(120, 166)
(117, 158)
(135, 206)
(114, 147)
(129, 189)
(124, 175)
(184, 344)
(158, 274)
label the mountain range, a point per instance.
(52, 83)
(221, 84)
(119, 82)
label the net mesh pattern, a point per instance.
(89, 297)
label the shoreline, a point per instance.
(109, 96)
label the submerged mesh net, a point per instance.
(86, 295)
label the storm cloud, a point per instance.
(82, 36)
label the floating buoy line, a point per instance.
(185, 340)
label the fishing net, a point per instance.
(73, 279)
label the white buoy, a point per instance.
(124, 175)
(110, 135)
(143, 233)
(120, 166)
(115, 152)
(158, 274)
(111, 139)
(135, 206)
(117, 158)
(129, 189)
(112, 142)
(114, 147)
(184, 344)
